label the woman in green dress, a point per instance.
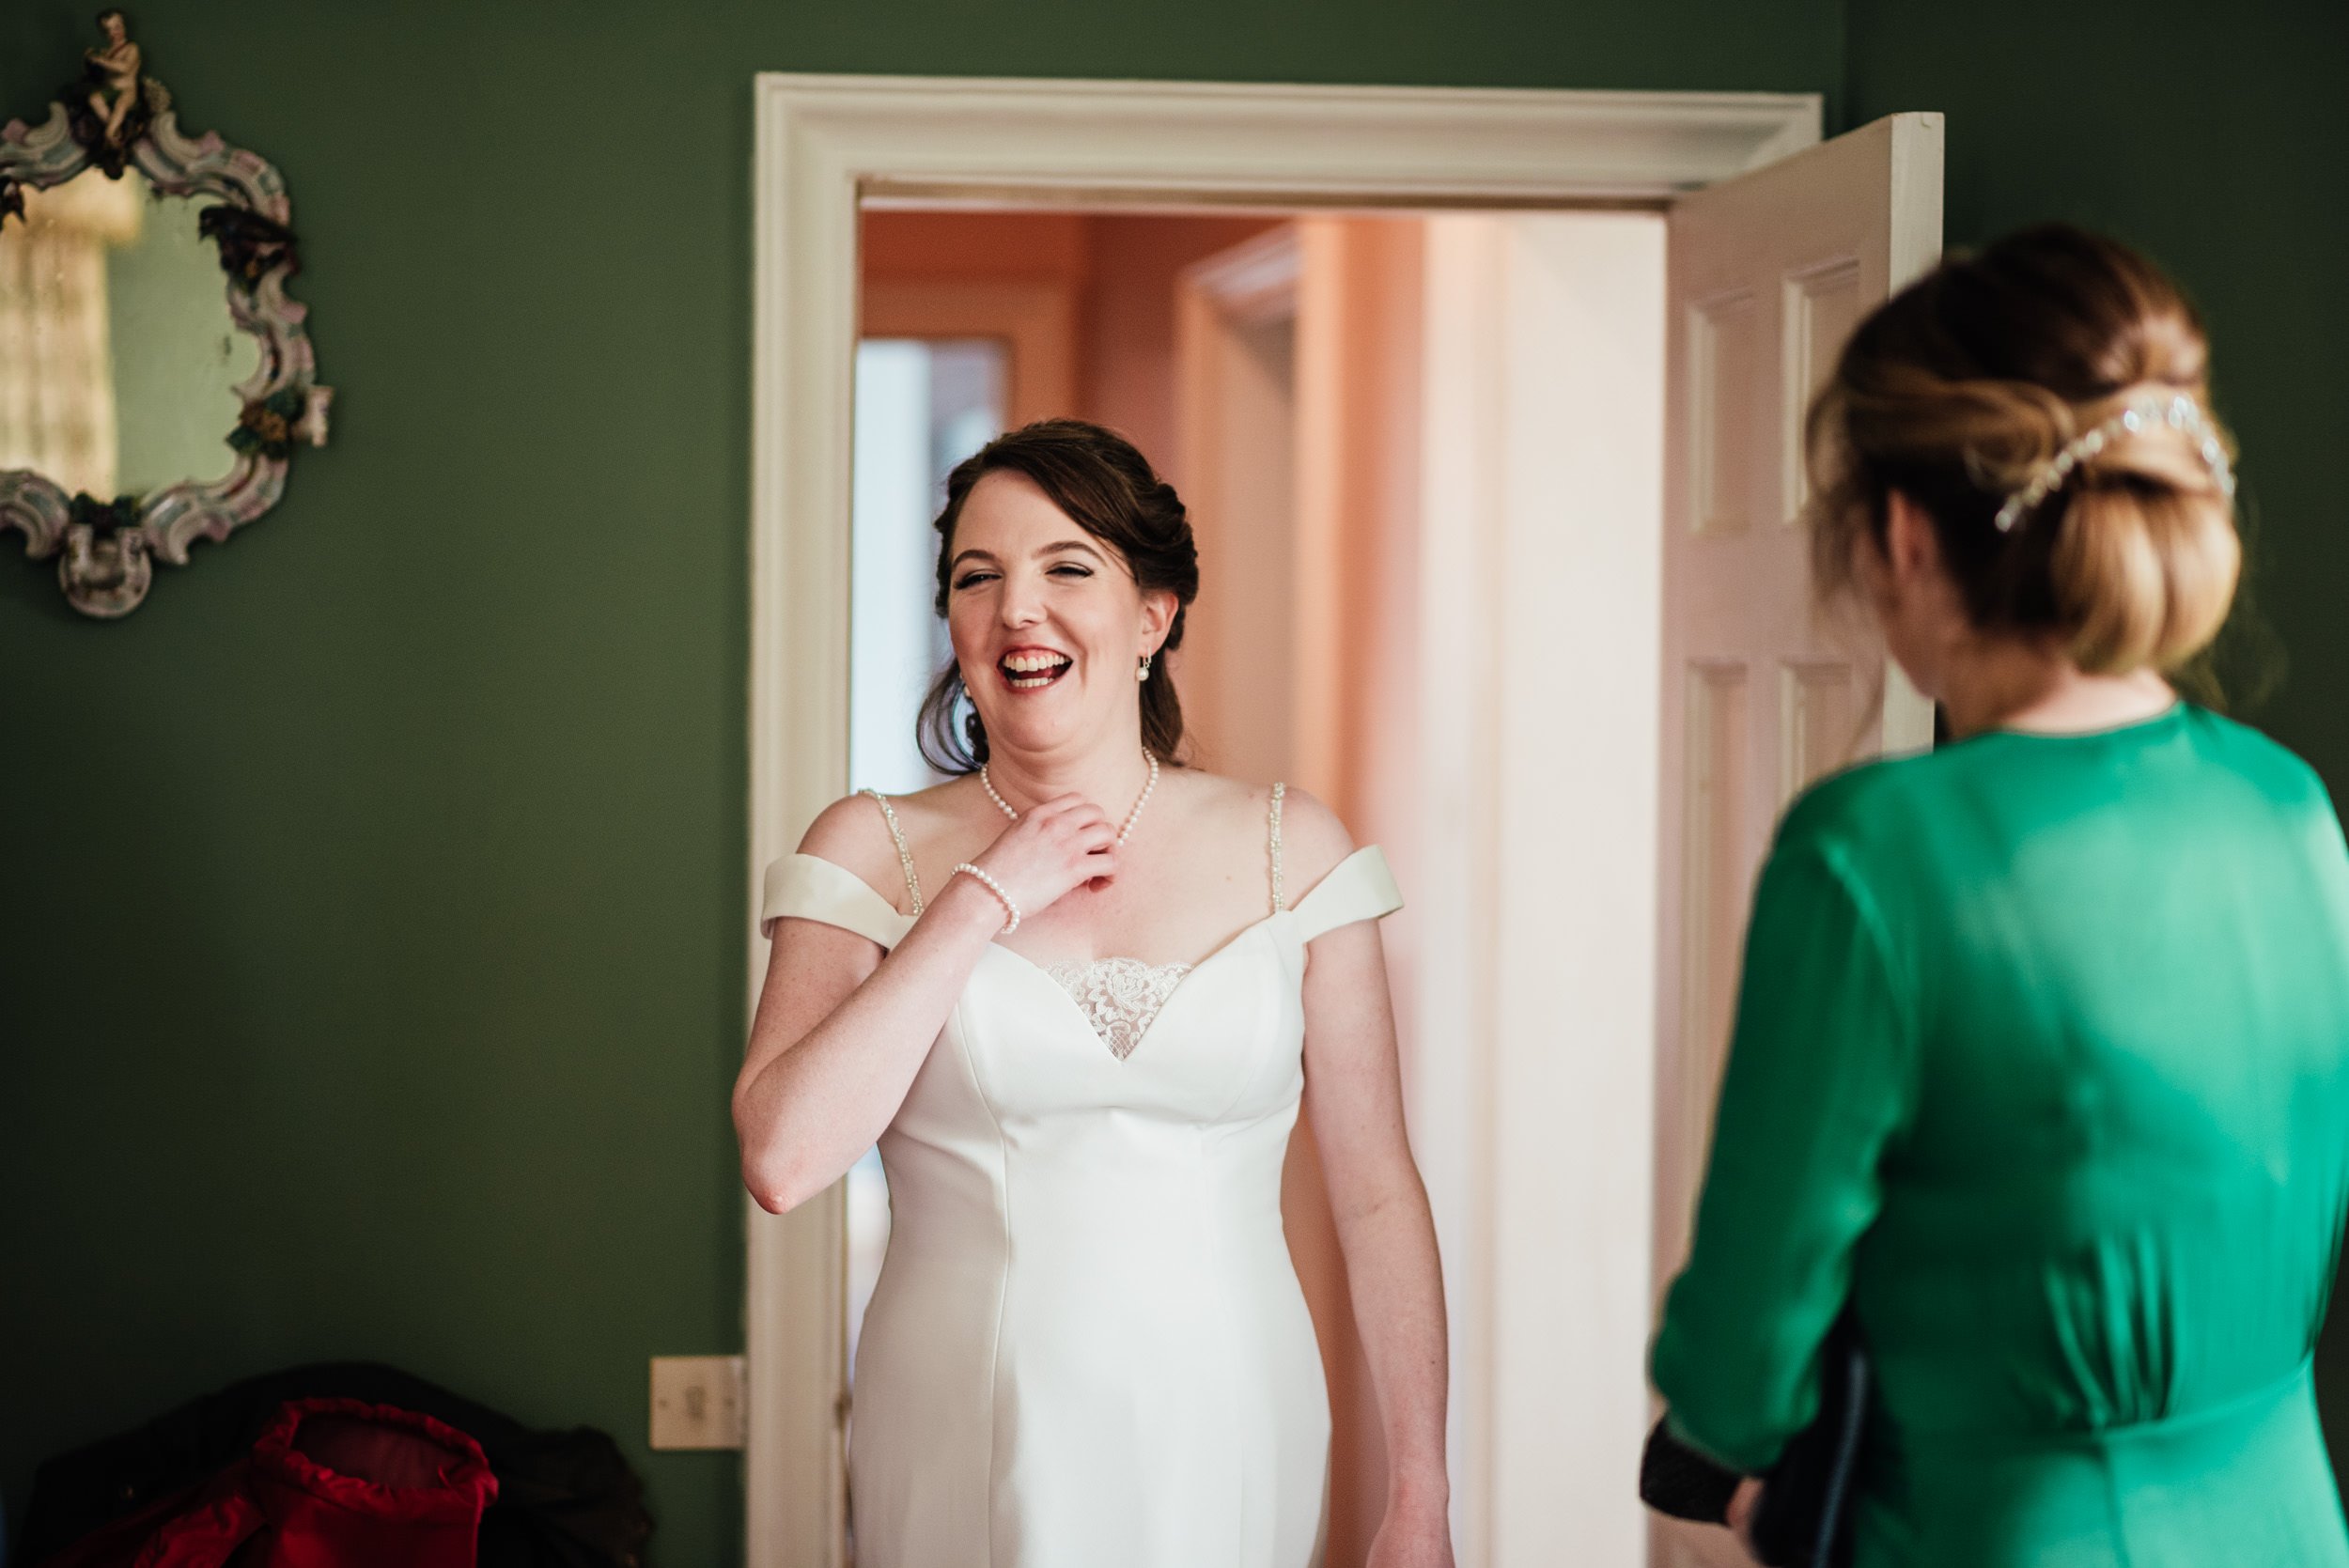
(2041, 1064)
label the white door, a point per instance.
(1766, 275)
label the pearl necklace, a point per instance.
(1131, 817)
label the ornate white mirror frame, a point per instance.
(119, 118)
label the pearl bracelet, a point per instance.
(997, 889)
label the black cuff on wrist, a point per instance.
(1675, 1478)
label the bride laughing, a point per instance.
(1079, 995)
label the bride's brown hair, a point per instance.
(1962, 389)
(1108, 489)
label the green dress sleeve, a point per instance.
(1819, 1080)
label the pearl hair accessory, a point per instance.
(966, 868)
(2177, 410)
(1131, 817)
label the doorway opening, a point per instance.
(1456, 595)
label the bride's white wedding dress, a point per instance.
(1088, 1348)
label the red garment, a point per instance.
(331, 1483)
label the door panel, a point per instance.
(1768, 275)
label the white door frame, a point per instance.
(824, 143)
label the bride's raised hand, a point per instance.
(1050, 848)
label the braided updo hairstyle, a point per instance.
(1108, 489)
(1960, 390)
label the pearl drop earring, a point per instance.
(1143, 674)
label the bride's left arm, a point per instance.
(1354, 1100)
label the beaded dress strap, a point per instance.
(1279, 901)
(905, 856)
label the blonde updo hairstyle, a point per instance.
(1962, 389)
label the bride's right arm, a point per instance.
(841, 1029)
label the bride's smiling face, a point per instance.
(1047, 621)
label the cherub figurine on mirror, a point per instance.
(118, 104)
(118, 65)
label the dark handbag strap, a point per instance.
(1802, 1519)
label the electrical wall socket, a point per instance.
(697, 1402)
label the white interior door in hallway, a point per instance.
(1761, 693)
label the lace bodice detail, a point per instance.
(1119, 997)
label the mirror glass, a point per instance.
(118, 359)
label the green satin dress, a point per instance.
(2042, 1061)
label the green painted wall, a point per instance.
(370, 946)
(2212, 137)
